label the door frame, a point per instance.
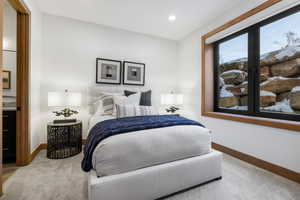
(23, 77)
(23, 69)
(23, 82)
(1, 90)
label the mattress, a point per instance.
(141, 149)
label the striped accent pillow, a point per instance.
(131, 110)
(105, 104)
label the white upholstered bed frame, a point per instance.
(157, 181)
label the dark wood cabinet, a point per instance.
(9, 136)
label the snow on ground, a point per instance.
(235, 61)
(239, 108)
(264, 93)
(244, 83)
(287, 52)
(283, 106)
(225, 93)
(295, 89)
(228, 85)
(221, 82)
(264, 56)
(232, 71)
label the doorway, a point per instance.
(22, 140)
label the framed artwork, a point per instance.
(133, 73)
(6, 79)
(108, 71)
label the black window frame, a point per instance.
(253, 70)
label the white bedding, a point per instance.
(98, 118)
(140, 149)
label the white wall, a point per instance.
(277, 146)
(71, 48)
(10, 28)
(35, 73)
(10, 43)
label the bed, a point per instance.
(147, 157)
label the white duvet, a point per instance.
(140, 149)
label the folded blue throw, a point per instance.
(112, 127)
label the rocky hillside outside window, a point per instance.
(257, 70)
(233, 73)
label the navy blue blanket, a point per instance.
(112, 127)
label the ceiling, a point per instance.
(142, 16)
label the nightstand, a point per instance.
(64, 140)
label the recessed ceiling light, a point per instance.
(172, 18)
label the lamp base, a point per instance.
(172, 109)
(63, 121)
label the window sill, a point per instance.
(274, 123)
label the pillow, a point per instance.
(130, 110)
(145, 97)
(130, 100)
(104, 104)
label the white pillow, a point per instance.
(130, 100)
(100, 109)
(131, 110)
(133, 100)
(104, 105)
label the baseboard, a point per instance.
(37, 150)
(42, 147)
(289, 174)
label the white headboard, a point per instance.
(95, 91)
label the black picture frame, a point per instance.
(125, 81)
(118, 62)
(9, 79)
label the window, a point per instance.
(257, 70)
(233, 73)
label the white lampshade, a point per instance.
(74, 99)
(55, 99)
(179, 99)
(61, 99)
(172, 99)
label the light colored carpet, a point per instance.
(8, 170)
(46, 179)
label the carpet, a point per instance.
(46, 179)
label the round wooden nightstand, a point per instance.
(64, 140)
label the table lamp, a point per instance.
(172, 100)
(66, 100)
